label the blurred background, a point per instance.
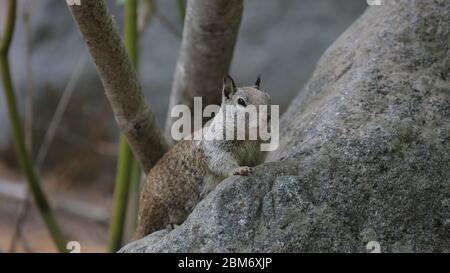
(280, 39)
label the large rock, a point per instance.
(364, 153)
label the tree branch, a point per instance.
(209, 36)
(125, 161)
(119, 78)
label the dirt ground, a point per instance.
(92, 234)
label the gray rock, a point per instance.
(364, 153)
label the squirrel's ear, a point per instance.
(229, 87)
(258, 82)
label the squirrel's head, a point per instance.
(241, 97)
(242, 100)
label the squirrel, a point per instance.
(193, 168)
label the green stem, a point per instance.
(131, 31)
(18, 135)
(181, 4)
(128, 168)
(133, 203)
(120, 195)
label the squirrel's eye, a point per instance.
(242, 102)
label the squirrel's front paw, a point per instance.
(171, 226)
(244, 171)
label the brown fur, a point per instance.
(182, 170)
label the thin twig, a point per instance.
(19, 221)
(60, 109)
(168, 24)
(146, 10)
(26, 16)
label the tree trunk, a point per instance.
(209, 36)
